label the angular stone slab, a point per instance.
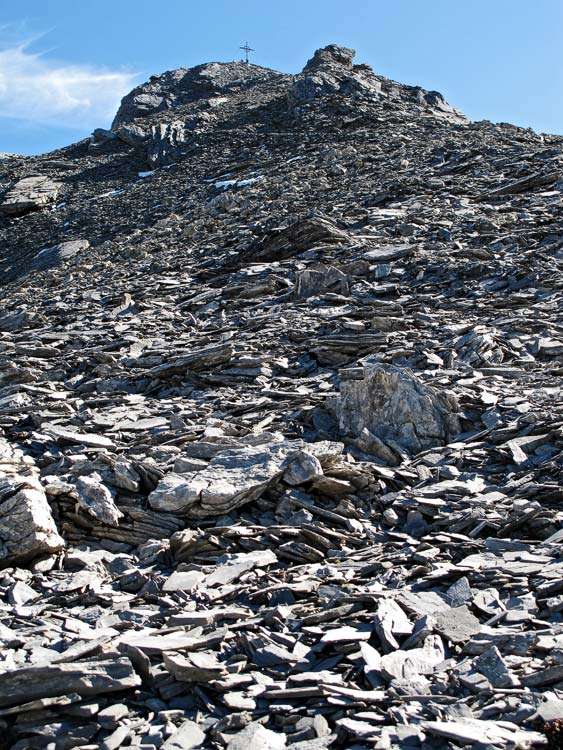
(187, 736)
(29, 194)
(85, 678)
(52, 256)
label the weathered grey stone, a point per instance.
(52, 256)
(331, 55)
(183, 581)
(187, 736)
(166, 142)
(96, 499)
(301, 467)
(257, 737)
(343, 597)
(491, 664)
(84, 678)
(303, 234)
(456, 624)
(321, 278)
(470, 731)
(395, 406)
(14, 321)
(29, 194)
(27, 528)
(231, 479)
(132, 134)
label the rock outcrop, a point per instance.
(236, 477)
(203, 84)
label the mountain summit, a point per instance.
(329, 72)
(281, 434)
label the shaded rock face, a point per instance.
(395, 406)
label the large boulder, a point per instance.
(53, 256)
(29, 194)
(132, 134)
(304, 234)
(321, 278)
(396, 407)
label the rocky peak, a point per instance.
(175, 88)
(329, 72)
(330, 56)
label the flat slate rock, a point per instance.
(29, 194)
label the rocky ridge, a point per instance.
(280, 422)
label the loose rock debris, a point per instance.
(281, 422)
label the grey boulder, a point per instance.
(238, 476)
(397, 407)
(52, 256)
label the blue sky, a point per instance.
(64, 64)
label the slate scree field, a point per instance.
(281, 425)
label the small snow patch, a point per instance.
(146, 174)
(226, 184)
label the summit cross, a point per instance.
(246, 49)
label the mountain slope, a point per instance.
(280, 420)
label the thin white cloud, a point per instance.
(39, 90)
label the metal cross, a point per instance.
(246, 49)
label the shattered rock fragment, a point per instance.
(96, 499)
